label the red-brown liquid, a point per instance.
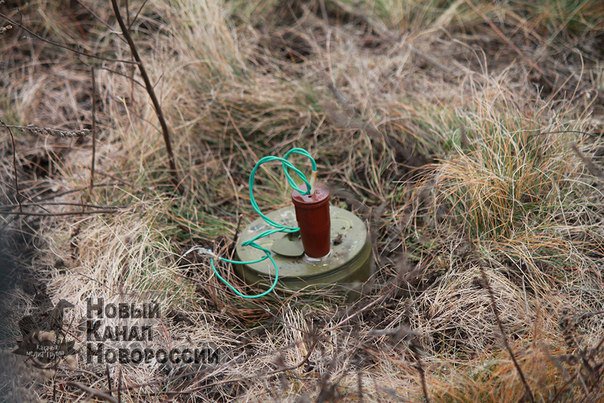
(312, 214)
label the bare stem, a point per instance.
(16, 177)
(527, 388)
(93, 392)
(137, 14)
(92, 76)
(65, 213)
(62, 45)
(150, 91)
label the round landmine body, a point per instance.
(347, 264)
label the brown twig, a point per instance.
(236, 235)
(422, 376)
(137, 14)
(119, 384)
(127, 7)
(150, 91)
(62, 45)
(92, 77)
(97, 17)
(589, 164)
(227, 364)
(42, 203)
(507, 40)
(81, 189)
(351, 118)
(16, 179)
(130, 77)
(563, 389)
(315, 341)
(65, 213)
(93, 392)
(132, 68)
(108, 379)
(403, 332)
(487, 285)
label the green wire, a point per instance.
(278, 227)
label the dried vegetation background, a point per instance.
(468, 135)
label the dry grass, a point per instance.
(455, 143)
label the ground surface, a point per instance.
(468, 135)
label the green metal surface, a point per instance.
(348, 262)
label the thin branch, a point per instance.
(41, 204)
(129, 77)
(119, 384)
(62, 45)
(66, 213)
(12, 139)
(236, 236)
(108, 379)
(136, 15)
(589, 164)
(151, 92)
(422, 376)
(127, 7)
(93, 392)
(92, 76)
(99, 19)
(130, 23)
(527, 388)
(507, 40)
(71, 191)
(227, 364)
(403, 332)
(253, 377)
